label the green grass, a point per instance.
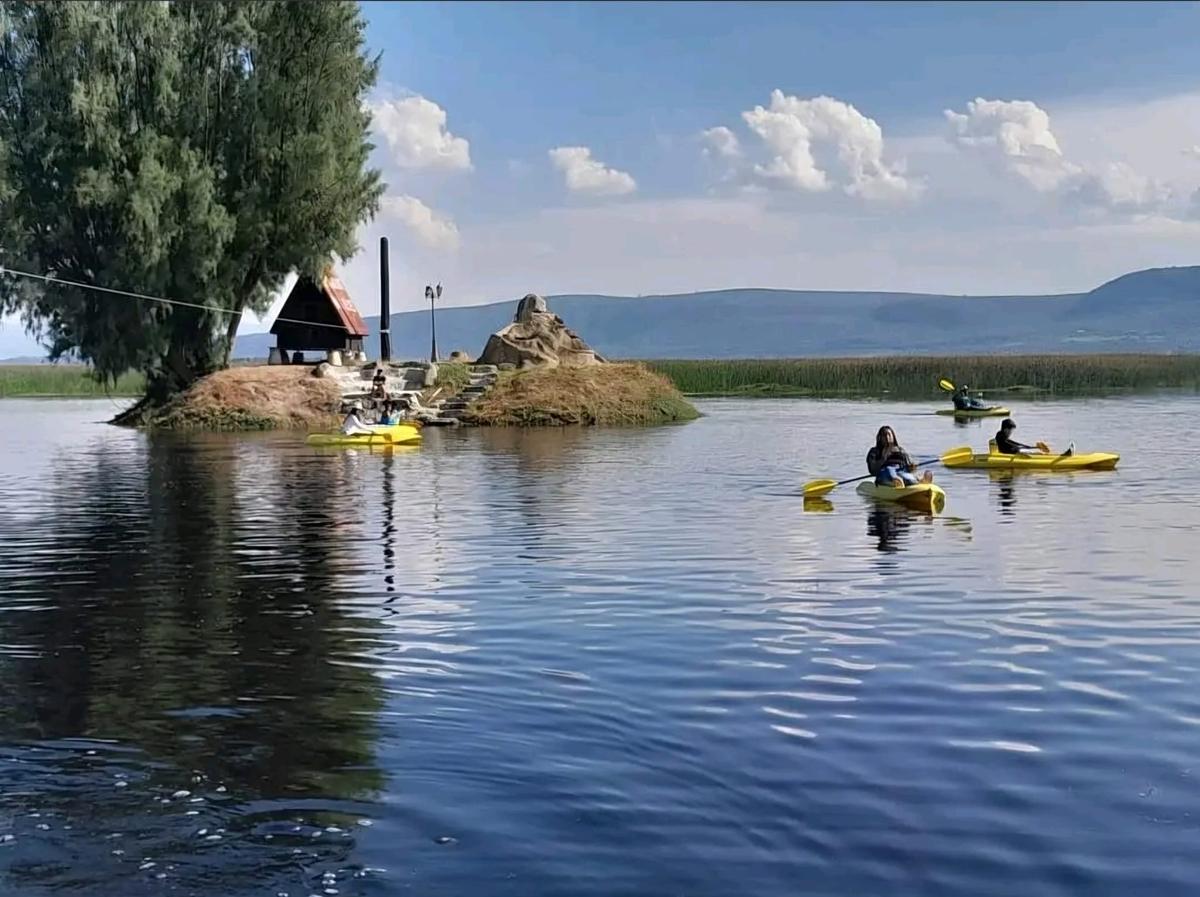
(452, 376)
(917, 377)
(63, 380)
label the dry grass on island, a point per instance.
(602, 394)
(259, 397)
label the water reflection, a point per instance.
(1006, 493)
(889, 527)
(159, 619)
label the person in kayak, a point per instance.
(891, 464)
(1006, 445)
(354, 422)
(387, 417)
(965, 402)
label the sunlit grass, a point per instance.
(63, 380)
(917, 377)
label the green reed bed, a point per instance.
(917, 377)
(63, 380)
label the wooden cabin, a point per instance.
(318, 317)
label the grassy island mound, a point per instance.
(250, 398)
(604, 394)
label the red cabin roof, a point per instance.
(336, 291)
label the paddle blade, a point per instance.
(962, 452)
(817, 488)
(946, 385)
(1045, 448)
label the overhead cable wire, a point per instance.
(50, 278)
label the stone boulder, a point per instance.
(537, 338)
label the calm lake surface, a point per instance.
(598, 663)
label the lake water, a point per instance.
(617, 662)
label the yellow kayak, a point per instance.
(400, 434)
(921, 497)
(995, 411)
(997, 461)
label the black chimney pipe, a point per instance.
(385, 305)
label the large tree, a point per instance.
(198, 151)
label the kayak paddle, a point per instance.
(946, 385)
(817, 488)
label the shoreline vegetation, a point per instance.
(916, 377)
(255, 397)
(19, 381)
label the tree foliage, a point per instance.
(194, 150)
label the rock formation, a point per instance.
(537, 337)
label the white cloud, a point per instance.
(587, 175)
(822, 143)
(432, 229)
(1118, 187)
(414, 130)
(1015, 135)
(720, 141)
(1193, 151)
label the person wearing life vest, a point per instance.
(963, 401)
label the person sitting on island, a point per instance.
(891, 464)
(379, 384)
(354, 422)
(965, 402)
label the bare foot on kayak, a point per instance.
(927, 477)
(897, 483)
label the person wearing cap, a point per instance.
(354, 422)
(964, 402)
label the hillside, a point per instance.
(1156, 310)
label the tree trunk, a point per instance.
(231, 330)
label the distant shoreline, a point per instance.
(917, 377)
(904, 377)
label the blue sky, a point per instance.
(966, 148)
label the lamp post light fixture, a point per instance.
(431, 294)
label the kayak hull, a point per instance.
(921, 497)
(403, 434)
(996, 411)
(996, 461)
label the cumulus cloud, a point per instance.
(587, 175)
(432, 229)
(821, 143)
(720, 141)
(1015, 135)
(415, 132)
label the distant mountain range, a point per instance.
(1148, 311)
(1157, 310)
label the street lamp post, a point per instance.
(431, 294)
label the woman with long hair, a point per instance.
(891, 464)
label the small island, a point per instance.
(534, 372)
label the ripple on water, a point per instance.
(594, 662)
